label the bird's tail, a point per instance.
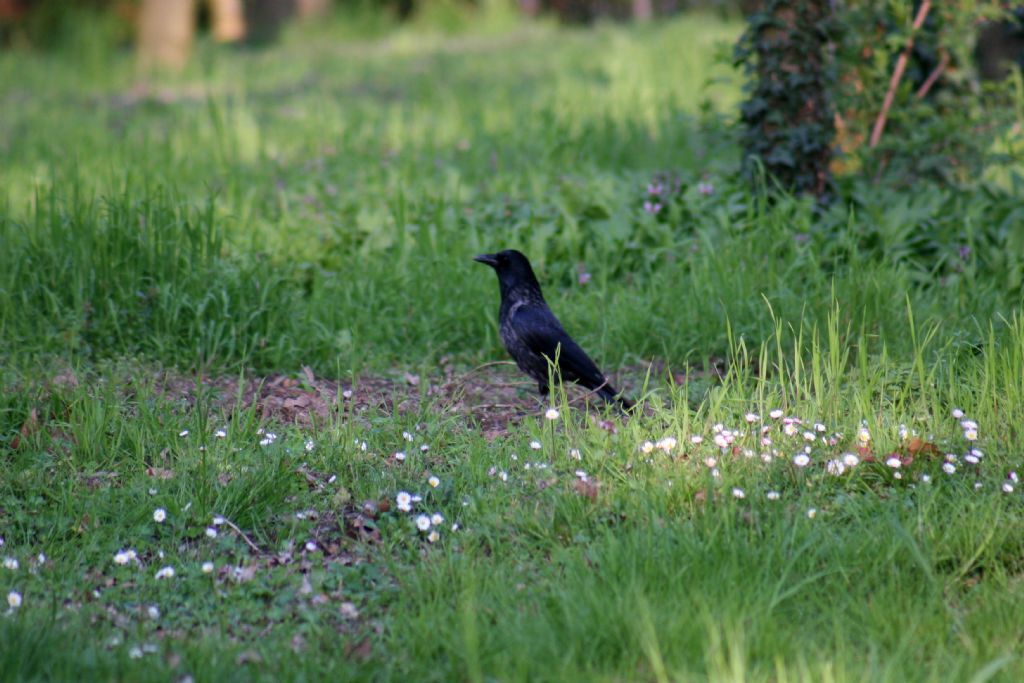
(611, 395)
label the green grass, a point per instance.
(317, 204)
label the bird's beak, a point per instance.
(489, 259)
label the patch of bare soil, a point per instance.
(491, 397)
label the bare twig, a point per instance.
(933, 76)
(241, 533)
(897, 74)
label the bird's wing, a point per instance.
(543, 334)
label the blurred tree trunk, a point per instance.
(165, 32)
(311, 9)
(643, 10)
(228, 20)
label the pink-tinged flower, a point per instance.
(706, 189)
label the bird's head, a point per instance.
(512, 267)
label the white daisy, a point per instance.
(801, 460)
(422, 522)
(14, 599)
(551, 414)
(159, 515)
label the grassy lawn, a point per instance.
(250, 428)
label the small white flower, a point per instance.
(422, 522)
(11, 563)
(766, 458)
(801, 460)
(948, 468)
(207, 567)
(423, 449)
(310, 445)
(835, 467)
(455, 527)
(433, 481)
(14, 599)
(404, 501)
(503, 475)
(818, 427)
(646, 447)
(810, 436)
(1007, 487)
(715, 473)
(221, 433)
(773, 495)
(574, 453)
(436, 519)
(977, 486)
(152, 492)
(971, 459)
(211, 532)
(433, 536)
(41, 558)
(1013, 477)
(310, 547)
(968, 424)
(812, 513)
(957, 413)
(667, 444)
(894, 462)
(159, 515)
(766, 441)
(551, 414)
(696, 439)
(165, 572)
(407, 436)
(218, 520)
(135, 652)
(347, 393)
(738, 493)
(789, 429)
(710, 462)
(535, 445)
(123, 557)
(897, 475)
(581, 475)
(183, 433)
(925, 478)
(717, 427)
(400, 456)
(971, 434)
(153, 611)
(850, 460)
(863, 435)
(751, 418)
(903, 432)
(721, 440)
(775, 414)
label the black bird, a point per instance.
(533, 335)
